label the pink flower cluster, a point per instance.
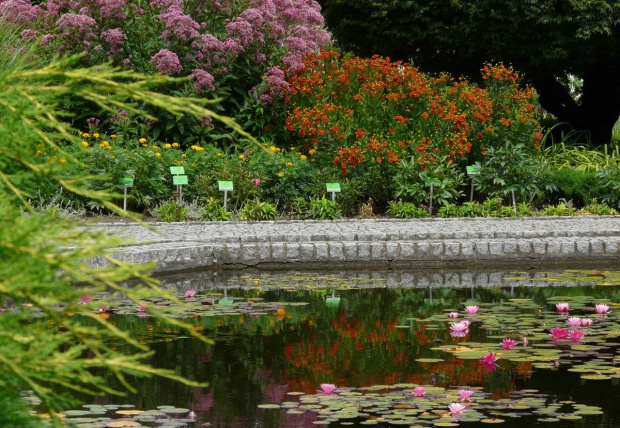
(166, 62)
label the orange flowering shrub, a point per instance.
(371, 113)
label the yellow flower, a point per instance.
(113, 136)
(167, 146)
(80, 133)
(85, 143)
(312, 151)
(85, 135)
(96, 135)
(183, 155)
(303, 157)
(241, 157)
(219, 155)
(38, 153)
(272, 148)
(292, 149)
(280, 174)
(290, 164)
(142, 140)
(63, 160)
(158, 155)
(175, 144)
(113, 157)
(277, 149)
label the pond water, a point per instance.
(376, 336)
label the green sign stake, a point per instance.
(431, 182)
(225, 186)
(126, 182)
(333, 188)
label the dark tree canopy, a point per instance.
(548, 40)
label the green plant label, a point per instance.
(177, 170)
(126, 181)
(225, 185)
(473, 170)
(433, 181)
(333, 187)
(179, 179)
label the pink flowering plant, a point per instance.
(224, 48)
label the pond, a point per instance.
(377, 336)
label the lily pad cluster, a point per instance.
(126, 415)
(520, 330)
(404, 404)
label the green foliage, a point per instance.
(399, 209)
(575, 185)
(609, 181)
(258, 211)
(170, 211)
(44, 256)
(411, 183)
(214, 211)
(323, 209)
(559, 210)
(512, 167)
(596, 208)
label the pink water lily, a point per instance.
(141, 308)
(562, 307)
(459, 326)
(466, 394)
(459, 333)
(489, 358)
(586, 322)
(558, 333)
(472, 309)
(190, 293)
(419, 391)
(601, 309)
(576, 334)
(453, 315)
(102, 309)
(456, 408)
(328, 388)
(85, 299)
(508, 344)
(573, 321)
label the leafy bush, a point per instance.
(170, 211)
(399, 209)
(225, 49)
(609, 182)
(323, 209)
(573, 184)
(214, 211)
(258, 211)
(595, 208)
(559, 210)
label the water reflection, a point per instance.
(353, 332)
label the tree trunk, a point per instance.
(599, 107)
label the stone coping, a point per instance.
(477, 242)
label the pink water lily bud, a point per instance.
(466, 394)
(586, 322)
(328, 388)
(562, 307)
(141, 308)
(453, 315)
(85, 299)
(472, 309)
(419, 391)
(190, 293)
(509, 344)
(489, 358)
(456, 408)
(573, 321)
(601, 309)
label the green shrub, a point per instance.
(323, 209)
(560, 210)
(573, 185)
(449, 211)
(608, 179)
(406, 210)
(170, 211)
(214, 211)
(595, 208)
(258, 211)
